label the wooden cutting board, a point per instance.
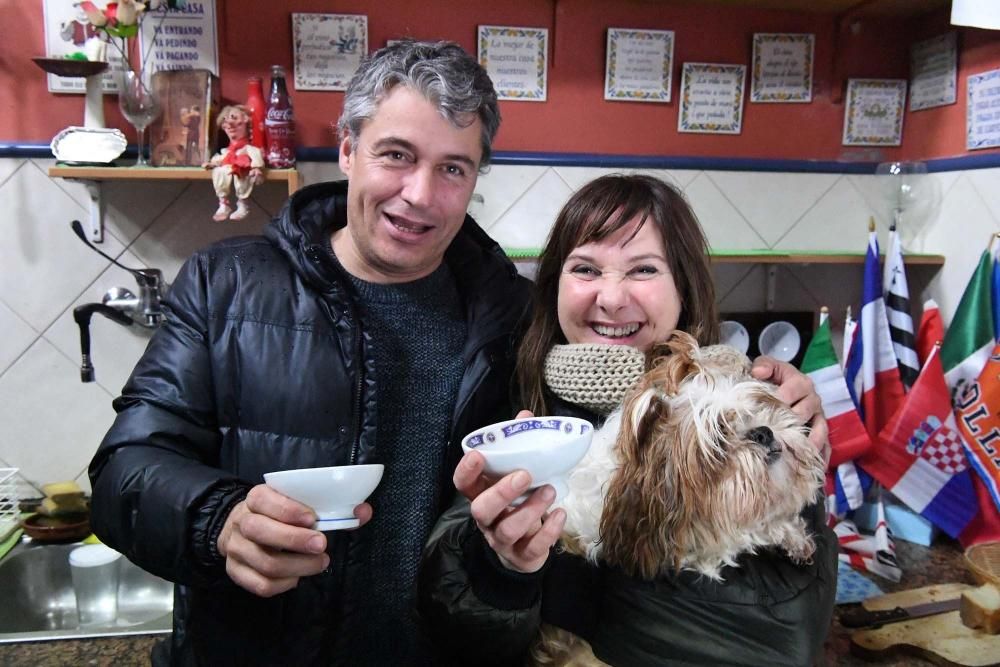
(941, 638)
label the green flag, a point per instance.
(969, 339)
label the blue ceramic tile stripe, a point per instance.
(329, 154)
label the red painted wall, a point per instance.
(253, 34)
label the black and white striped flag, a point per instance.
(897, 308)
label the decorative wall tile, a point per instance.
(45, 267)
(7, 167)
(725, 228)
(51, 427)
(754, 195)
(17, 337)
(961, 233)
(187, 226)
(501, 188)
(526, 224)
(838, 221)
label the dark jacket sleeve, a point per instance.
(475, 611)
(157, 495)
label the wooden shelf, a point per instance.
(291, 176)
(773, 257)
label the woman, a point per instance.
(624, 266)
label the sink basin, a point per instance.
(37, 600)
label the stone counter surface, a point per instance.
(942, 563)
(130, 651)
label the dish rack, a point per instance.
(10, 513)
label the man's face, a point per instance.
(410, 177)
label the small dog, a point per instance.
(702, 463)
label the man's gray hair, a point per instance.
(442, 72)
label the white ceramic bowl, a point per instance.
(546, 447)
(734, 334)
(779, 340)
(332, 493)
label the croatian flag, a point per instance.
(920, 457)
(872, 374)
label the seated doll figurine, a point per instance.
(239, 165)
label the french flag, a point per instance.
(871, 371)
(920, 456)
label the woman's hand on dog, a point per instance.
(521, 536)
(798, 391)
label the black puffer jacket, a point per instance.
(768, 611)
(262, 365)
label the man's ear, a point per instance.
(346, 158)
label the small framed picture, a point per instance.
(517, 61)
(328, 49)
(639, 65)
(934, 72)
(782, 68)
(873, 112)
(712, 98)
(983, 110)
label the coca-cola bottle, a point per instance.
(258, 109)
(280, 123)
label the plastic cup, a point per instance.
(95, 572)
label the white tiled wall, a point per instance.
(51, 423)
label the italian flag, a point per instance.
(969, 340)
(848, 437)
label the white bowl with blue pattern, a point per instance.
(546, 447)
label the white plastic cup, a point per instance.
(95, 572)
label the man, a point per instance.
(373, 323)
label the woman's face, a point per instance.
(619, 291)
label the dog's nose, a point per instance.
(764, 437)
(761, 435)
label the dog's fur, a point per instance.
(702, 463)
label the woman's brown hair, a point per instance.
(594, 212)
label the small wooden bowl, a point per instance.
(69, 528)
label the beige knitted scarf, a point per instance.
(593, 375)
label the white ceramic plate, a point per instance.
(779, 340)
(88, 145)
(734, 334)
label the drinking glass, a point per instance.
(140, 105)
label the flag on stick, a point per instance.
(850, 325)
(897, 306)
(920, 458)
(978, 421)
(848, 438)
(969, 339)
(931, 331)
(871, 372)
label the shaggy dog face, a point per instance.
(701, 464)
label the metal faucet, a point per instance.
(119, 304)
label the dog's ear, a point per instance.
(640, 507)
(672, 361)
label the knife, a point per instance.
(865, 618)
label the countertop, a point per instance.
(922, 566)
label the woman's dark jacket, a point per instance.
(768, 611)
(262, 365)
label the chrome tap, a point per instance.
(119, 304)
